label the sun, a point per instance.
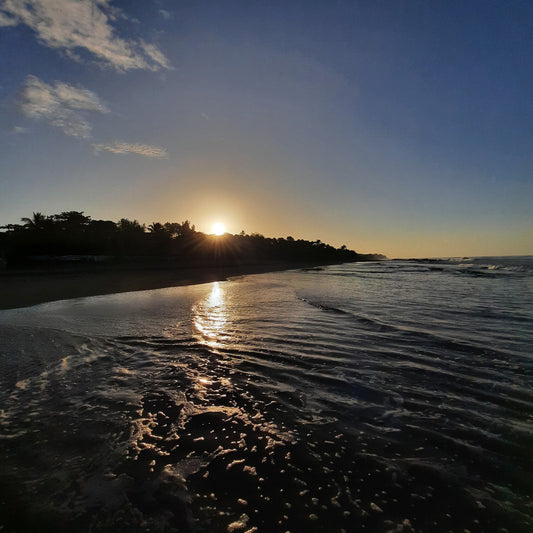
(218, 228)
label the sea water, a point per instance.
(387, 396)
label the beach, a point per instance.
(24, 288)
(378, 396)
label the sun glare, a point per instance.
(218, 228)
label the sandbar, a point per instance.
(27, 288)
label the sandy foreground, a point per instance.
(23, 289)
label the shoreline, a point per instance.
(27, 288)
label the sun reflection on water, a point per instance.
(210, 316)
(211, 321)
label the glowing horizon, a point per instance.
(336, 136)
(218, 229)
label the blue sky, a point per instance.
(397, 127)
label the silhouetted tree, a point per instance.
(37, 221)
(130, 226)
(156, 227)
(71, 220)
(73, 233)
(173, 228)
(187, 229)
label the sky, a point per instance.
(397, 127)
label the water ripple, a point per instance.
(266, 404)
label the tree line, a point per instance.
(74, 236)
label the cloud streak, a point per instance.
(65, 106)
(71, 26)
(118, 147)
(61, 105)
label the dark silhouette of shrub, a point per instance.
(71, 233)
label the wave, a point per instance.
(270, 403)
(518, 264)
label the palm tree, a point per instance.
(156, 227)
(38, 221)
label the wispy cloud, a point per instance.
(6, 20)
(167, 15)
(118, 147)
(65, 106)
(60, 104)
(18, 130)
(73, 25)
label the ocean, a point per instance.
(384, 396)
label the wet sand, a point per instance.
(26, 288)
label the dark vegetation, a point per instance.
(72, 237)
